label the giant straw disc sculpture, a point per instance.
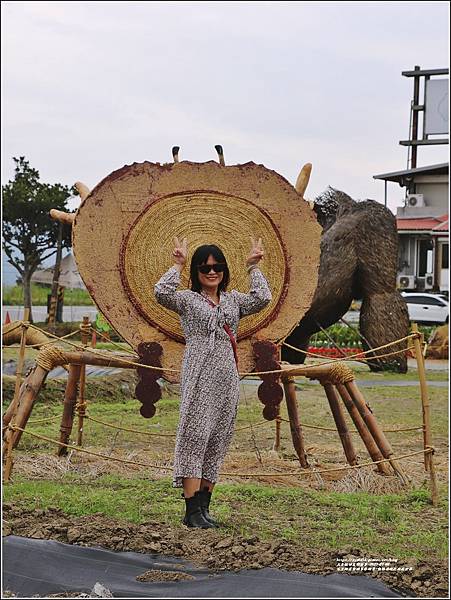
(123, 239)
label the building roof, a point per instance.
(403, 177)
(69, 276)
(425, 224)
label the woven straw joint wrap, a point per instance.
(340, 373)
(50, 357)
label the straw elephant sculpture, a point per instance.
(359, 253)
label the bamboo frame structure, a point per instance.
(293, 415)
(337, 380)
(70, 399)
(427, 436)
(342, 428)
(81, 404)
(9, 434)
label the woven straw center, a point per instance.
(203, 218)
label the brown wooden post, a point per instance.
(278, 420)
(427, 438)
(340, 422)
(27, 395)
(70, 399)
(374, 428)
(295, 426)
(8, 437)
(366, 436)
(85, 333)
(427, 435)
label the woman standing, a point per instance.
(209, 380)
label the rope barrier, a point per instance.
(94, 330)
(407, 337)
(285, 371)
(47, 420)
(151, 433)
(41, 343)
(427, 450)
(420, 427)
(351, 359)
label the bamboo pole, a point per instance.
(81, 397)
(340, 422)
(295, 426)
(27, 395)
(359, 423)
(21, 359)
(88, 358)
(427, 433)
(427, 438)
(276, 445)
(374, 428)
(9, 433)
(70, 399)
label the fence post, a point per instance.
(427, 436)
(9, 434)
(81, 404)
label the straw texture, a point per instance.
(204, 218)
(122, 241)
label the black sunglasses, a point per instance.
(217, 268)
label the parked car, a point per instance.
(427, 308)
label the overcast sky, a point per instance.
(91, 86)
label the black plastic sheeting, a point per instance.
(45, 567)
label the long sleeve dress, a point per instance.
(209, 382)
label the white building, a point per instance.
(423, 227)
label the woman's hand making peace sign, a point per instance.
(256, 253)
(180, 251)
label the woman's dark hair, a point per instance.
(200, 257)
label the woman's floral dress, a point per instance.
(210, 384)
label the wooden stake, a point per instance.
(70, 399)
(340, 422)
(427, 438)
(374, 428)
(427, 432)
(359, 423)
(8, 437)
(276, 445)
(295, 426)
(27, 395)
(81, 398)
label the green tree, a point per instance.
(29, 234)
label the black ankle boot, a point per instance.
(205, 497)
(193, 515)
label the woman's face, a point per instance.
(211, 280)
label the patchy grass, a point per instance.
(299, 509)
(391, 525)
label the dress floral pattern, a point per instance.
(209, 383)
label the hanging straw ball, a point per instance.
(123, 240)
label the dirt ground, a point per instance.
(209, 548)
